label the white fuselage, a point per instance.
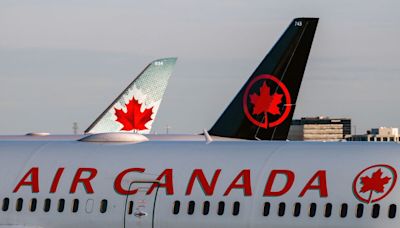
(242, 183)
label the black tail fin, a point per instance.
(264, 107)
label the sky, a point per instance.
(65, 61)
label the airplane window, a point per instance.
(267, 206)
(236, 208)
(328, 210)
(191, 207)
(206, 208)
(61, 204)
(297, 209)
(281, 210)
(89, 206)
(46, 207)
(360, 210)
(18, 206)
(103, 206)
(130, 208)
(177, 205)
(6, 203)
(343, 211)
(33, 204)
(392, 211)
(313, 209)
(375, 210)
(75, 205)
(221, 208)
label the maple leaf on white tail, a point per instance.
(133, 118)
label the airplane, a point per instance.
(144, 183)
(134, 110)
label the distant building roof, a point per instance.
(381, 134)
(320, 120)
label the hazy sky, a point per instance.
(65, 61)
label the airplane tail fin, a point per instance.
(135, 109)
(264, 107)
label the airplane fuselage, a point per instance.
(182, 184)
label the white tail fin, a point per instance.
(135, 109)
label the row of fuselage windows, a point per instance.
(205, 209)
(60, 206)
(344, 209)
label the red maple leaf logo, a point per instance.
(134, 119)
(376, 183)
(266, 102)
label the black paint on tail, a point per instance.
(264, 107)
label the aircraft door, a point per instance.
(140, 207)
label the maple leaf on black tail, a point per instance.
(266, 102)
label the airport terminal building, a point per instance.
(320, 128)
(382, 134)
